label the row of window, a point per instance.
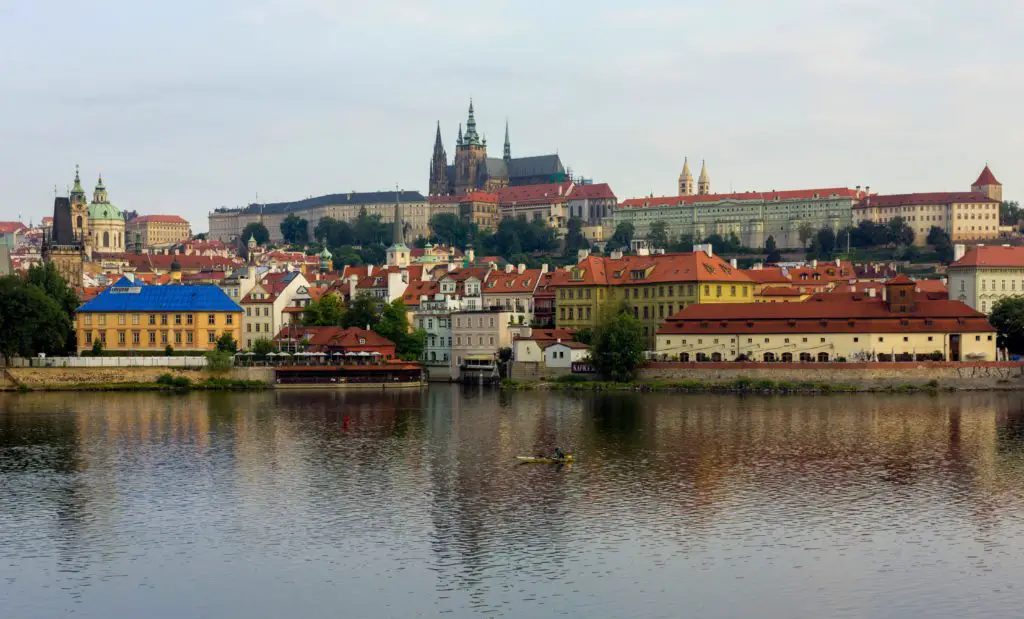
(767, 340)
(151, 337)
(1013, 285)
(255, 326)
(469, 321)
(165, 319)
(249, 312)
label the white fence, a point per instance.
(109, 362)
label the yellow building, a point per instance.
(151, 230)
(655, 286)
(983, 275)
(131, 317)
(901, 323)
(964, 215)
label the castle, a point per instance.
(473, 170)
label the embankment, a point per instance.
(862, 376)
(71, 379)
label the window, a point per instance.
(248, 311)
(266, 311)
(88, 337)
(732, 291)
(135, 319)
(561, 314)
(103, 320)
(989, 338)
(188, 337)
(177, 337)
(188, 319)
(177, 319)
(977, 338)
(121, 337)
(163, 320)
(588, 313)
(163, 337)
(211, 337)
(490, 321)
(491, 340)
(929, 338)
(906, 339)
(121, 320)
(881, 339)
(152, 338)
(707, 290)
(229, 319)
(135, 338)
(211, 319)
(856, 339)
(248, 327)
(88, 320)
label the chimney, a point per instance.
(871, 293)
(643, 251)
(508, 268)
(582, 255)
(757, 266)
(520, 268)
(958, 251)
(616, 254)
(704, 247)
(732, 263)
(544, 268)
(369, 270)
(867, 189)
(814, 263)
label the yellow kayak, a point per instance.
(544, 459)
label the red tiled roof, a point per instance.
(537, 194)
(550, 334)
(163, 261)
(592, 192)
(853, 315)
(823, 273)
(160, 219)
(757, 196)
(780, 291)
(991, 256)
(659, 268)
(768, 275)
(931, 285)
(986, 178)
(911, 199)
(567, 343)
(339, 337)
(7, 227)
(411, 296)
(500, 282)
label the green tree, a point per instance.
(657, 234)
(30, 321)
(899, 233)
(774, 255)
(574, 238)
(449, 229)
(261, 347)
(97, 347)
(328, 310)
(257, 231)
(769, 244)
(394, 325)
(219, 360)
(370, 229)
(168, 351)
(1008, 318)
(683, 244)
(346, 255)
(202, 236)
(47, 279)
(374, 253)
(939, 239)
(295, 230)
(618, 348)
(1010, 213)
(361, 312)
(226, 343)
(333, 233)
(623, 236)
(805, 232)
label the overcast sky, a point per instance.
(189, 105)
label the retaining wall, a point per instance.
(69, 378)
(966, 376)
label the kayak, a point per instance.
(544, 459)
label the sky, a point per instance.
(190, 105)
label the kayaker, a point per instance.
(559, 454)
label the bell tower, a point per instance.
(686, 179)
(470, 158)
(704, 181)
(79, 210)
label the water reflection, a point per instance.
(404, 503)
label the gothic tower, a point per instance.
(79, 210)
(470, 158)
(686, 179)
(703, 181)
(988, 185)
(439, 182)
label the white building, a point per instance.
(982, 275)
(265, 303)
(563, 353)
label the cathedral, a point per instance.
(473, 170)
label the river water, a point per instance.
(323, 504)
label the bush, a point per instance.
(219, 361)
(181, 382)
(165, 379)
(572, 378)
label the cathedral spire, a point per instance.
(458, 141)
(686, 179)
(472, 138)
(704, 181)
(508, 145)
(398, 230)
(439, 167)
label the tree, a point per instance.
(372, 254)
(657, 234)
(448, 228)
(1010, 213)
(623, 236)
(939, 239)
(722, 245)
(899, 232)
(226, 343)
(683, 244)
(1008, 318)
(47, 279)
(257, 231)
(805, 232)
(822, 245)
(362, 312)
(370, 229)
(97, 347)
(333, 233)
(326, 311)
(202, 236)
(394, 325)
(769, 244)
(168, 351)
(30, 321)
(261, 347)
(574, 238)
(618, 345)
(774, 256)
(295, 230)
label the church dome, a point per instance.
(326, 255)
(104, 211)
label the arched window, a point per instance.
(684, 356)
(716, 357)
(787, 357)
(106, 239)
(79, 222)
(823, 356)
(769, 356)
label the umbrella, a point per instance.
(283, 354)
(362, 353)
(375, 354)
(319, 354)
(336, 354)
(271, 354)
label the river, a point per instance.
(327, 504)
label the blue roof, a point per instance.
(129, 296)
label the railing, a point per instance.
(108, 362)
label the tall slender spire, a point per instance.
(397, 229)
(508, 145)
(704, 181)
(686, 179)
(472, 138)
(458, 141)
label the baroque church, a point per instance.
(473, 170)
(686, 180)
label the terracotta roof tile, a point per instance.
(162, 219)
(986, 178)
(991, 256)
(910, 199)
(755, 196)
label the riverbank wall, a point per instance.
(859, 376)
(70, 379)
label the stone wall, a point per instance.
(966, 376)
(69, 378)
(534, 370)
